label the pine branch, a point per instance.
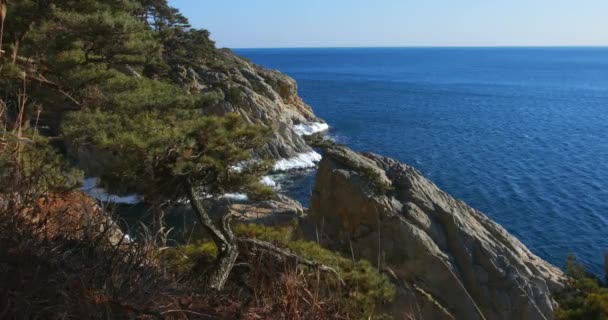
(281, 254)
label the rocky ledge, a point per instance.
(450, 260)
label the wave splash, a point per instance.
(301, 161)
(90, 187)
(304, 129)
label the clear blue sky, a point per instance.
(339, 23)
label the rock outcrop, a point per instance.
(279, 210)
(260, 95)
(451, 261)
(231, 84)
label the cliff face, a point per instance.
(451, 260)
(231, 84)
(262, 96)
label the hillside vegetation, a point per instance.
(128, 91)
(111, 77)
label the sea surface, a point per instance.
(519, 133)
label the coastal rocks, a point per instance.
(261, 96)
(279, 210)
(451, 261)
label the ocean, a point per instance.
(518, 133)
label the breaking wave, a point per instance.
(304, 129)
(301, 161)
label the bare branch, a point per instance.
(42, 80)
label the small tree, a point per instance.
(584, 297)
(163, 159)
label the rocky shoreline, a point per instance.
(449, 261)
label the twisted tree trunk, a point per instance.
(224, 239)
(2, 18)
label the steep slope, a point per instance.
(262, 96)
(453, 261)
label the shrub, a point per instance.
(183, 259)
(380, 185)
(281, 236)
(234, 95)
(584, 298)
(357, 288)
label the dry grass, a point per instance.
(48, 272)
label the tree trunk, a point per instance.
(224, 240)
(15, 50)
(3, 11)
(224, 264)
(1, 35)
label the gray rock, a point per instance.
(262, 96)
(280, 210)
(453, 261)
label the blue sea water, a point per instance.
(519, 133)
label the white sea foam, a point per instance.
(266, 180)
(301, 161)
(269, 182)
(90, 187)
(236, 196)
(306, 129)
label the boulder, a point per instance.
(280, 210)
(449, 260)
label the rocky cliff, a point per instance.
(451, 261)
(262, 96)
(231, 84)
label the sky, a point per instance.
(379, 23)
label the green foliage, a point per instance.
(128, 95)
(365, 289)
(210, 98)
(360, 288)
(583, 298)
(114, 62)
(380, 185)
(234, 94)
(97, 46)
(281, 236)
(86, 35)
(183, 259)
(162, 155)
(33, 163)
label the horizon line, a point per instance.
(422, 47)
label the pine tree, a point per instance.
(102, 71)
(164, 159)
